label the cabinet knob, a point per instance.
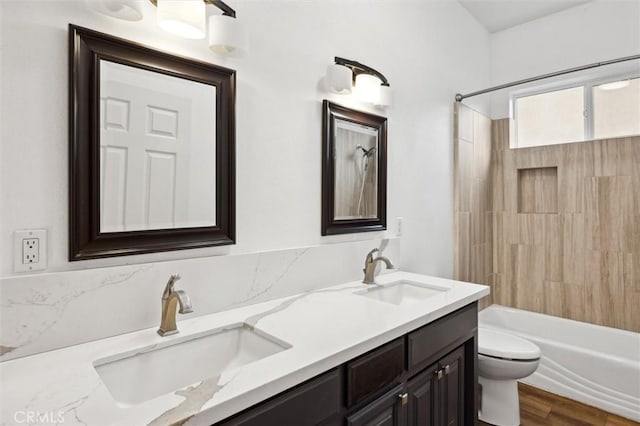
(446, 369)
(439, 374)
(404, 398)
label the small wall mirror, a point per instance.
(152, 149)
(354, 170)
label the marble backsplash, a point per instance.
(50, 311)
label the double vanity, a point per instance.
(351, 354)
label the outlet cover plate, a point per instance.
(30, 250)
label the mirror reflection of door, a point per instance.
(157, 150)
(356, 171)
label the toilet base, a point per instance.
(500, 405)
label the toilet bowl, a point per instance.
(502, 360)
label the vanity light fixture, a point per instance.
(368, 84)
(188, 18)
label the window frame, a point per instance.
(587, 113)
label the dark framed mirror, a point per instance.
(354, 170)
(152, 149)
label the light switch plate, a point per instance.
(30, 250)
(399, 229)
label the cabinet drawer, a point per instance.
(311, 403)
(427, 341)
(373, 371)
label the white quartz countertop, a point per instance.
(324, 328)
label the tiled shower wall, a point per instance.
(565, 225)
(473, 222)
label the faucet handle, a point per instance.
(369, 258)
(169, 287)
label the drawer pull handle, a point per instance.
(446, 370)
(404, 398)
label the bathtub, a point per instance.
(595, 365)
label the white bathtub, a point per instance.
(598, 366)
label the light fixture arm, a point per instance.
(359, 68)
(225, 8)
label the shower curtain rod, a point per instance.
(460, 97)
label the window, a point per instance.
(616, 109)
(593, 110)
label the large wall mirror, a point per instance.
(354, 171)
(151, 149)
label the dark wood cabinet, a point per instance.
(387, 410)
(436, 395)
(427, 377)
(422, 407)
(451, 384)
(316, 402)
(374, 371)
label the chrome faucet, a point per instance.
(170, 298)
(370, 266)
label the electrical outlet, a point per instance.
(30, 250)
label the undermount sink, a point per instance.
(144, 374)
(400, 292)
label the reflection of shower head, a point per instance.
(366, 152)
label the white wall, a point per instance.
(428, 50)
(596, 31)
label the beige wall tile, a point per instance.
(482, 145)
(478, 271)
(496, 176)
(573, 248)
(570, 173)
(604, 286)
(479, 206)
(497, 246)
(500, 134)
(464, 181)
(633, 271)
(564, 300)
(527, 274)
(464, 122)
(553, 248)
(462, 259)
(610, 218)
(631, 316)
(602, 157)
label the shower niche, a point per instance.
(354, 171)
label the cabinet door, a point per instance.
(388, 410)
(452, 388)
(423, 399)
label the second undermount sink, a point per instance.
(400, 292)
(141, 375)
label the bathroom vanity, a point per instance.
(425, 377)
(400, 352)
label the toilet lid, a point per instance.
(502, 345)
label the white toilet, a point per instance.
(502, 360)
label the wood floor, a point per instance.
(540, 408)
